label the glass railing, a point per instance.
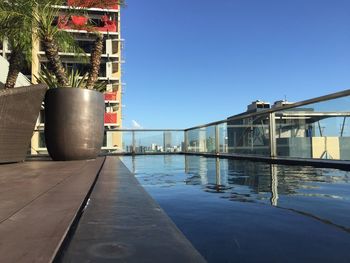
(143, 141)
(126, 141)
(318, 128)
(245, 136)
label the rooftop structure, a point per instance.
(258, 105)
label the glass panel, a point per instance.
(158, 141)
(319, 130)
(42, 143)
(147, 142)
(249, 136)
(210, 140)
(37, 144)
(223, 138)
(173, 141)
(113, 142)
(197, 140)
(126, 139)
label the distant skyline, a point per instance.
(194, 62)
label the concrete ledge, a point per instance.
(122, 223)
(39, 201)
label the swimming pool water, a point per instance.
(244, 211)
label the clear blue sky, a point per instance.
(190, 62)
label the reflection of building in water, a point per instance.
(300, 132)
(263, 182)
(203, 169)
(197, 167)
(274, 185)
(209, 170)
(256, 175)
(259, 176)
(168, 160)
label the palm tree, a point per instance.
(53, 38)
(15, 26)
(95, 61)
(20, 19)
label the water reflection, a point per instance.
(247, 181)
(272, 184)
(227, 207)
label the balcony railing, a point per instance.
(110, 118)
(317, 129)
(81, 23)
(111, 4)
(110, 96)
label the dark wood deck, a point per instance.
(41, 200)
(38, 203)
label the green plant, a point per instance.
(74, 78)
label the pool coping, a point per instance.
(122, 223)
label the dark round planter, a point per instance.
(74, 123)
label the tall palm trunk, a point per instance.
(95, 62)
(55, 63)
(16, 63)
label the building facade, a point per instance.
(106, 21)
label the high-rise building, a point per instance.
(105, 20)
(167, 139)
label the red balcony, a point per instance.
(110, 118)
(79, 20)
(107, 4)
(81, 23)
(111, 96)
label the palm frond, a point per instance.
(67, 43)
(101, 86)
(75, 79)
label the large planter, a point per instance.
(74, 125)
(19, 109)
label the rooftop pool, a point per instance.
(244, 211)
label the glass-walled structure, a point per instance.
(318, 130)
(313, 129)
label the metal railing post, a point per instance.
(217, 139)
(272, 132)
(133, 143)
(185, 142)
